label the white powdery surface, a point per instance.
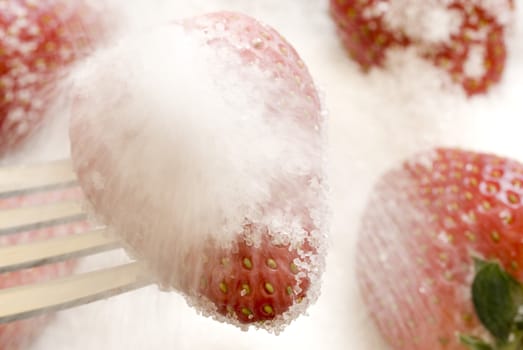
(375, 120)
(431, 21)
(499, 8)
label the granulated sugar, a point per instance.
(431, 21)
(375, 120)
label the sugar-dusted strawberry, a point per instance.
(424, 226)
(476, 53)
(219, 162)
(466, 38)
(18, 334)
(38, 39)
(364, 32)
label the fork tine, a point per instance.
(32, 300)
(55, 249)
(20, 219)
(21, 179)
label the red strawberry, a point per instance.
(363, 31)
(37, 40)
(18, 334)
(480, 34)
(472, 50)
(424, 225)
(270, 267)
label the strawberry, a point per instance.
(363, 31)
(268, 268)
(18, 334)
(471, 48)
(480, 34)
(429, 226)
(38, 39)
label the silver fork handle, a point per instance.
(33, 300)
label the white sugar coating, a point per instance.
(176, 158)
(429, 21)
(499, 8)
(474, 66)
(432, 21)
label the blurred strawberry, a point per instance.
(466, 38)
(17, 335)
(476, 53)
(424, 226)
(38, 39)
(363, 31)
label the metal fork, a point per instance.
(61, 293)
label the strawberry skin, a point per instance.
(367, 35)
(38, 39)
(254, 284)
(423, 225)
(19, 334)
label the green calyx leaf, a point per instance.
(474, 343)
(498, 302)
(496, 296)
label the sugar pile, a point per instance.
(375, 120)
